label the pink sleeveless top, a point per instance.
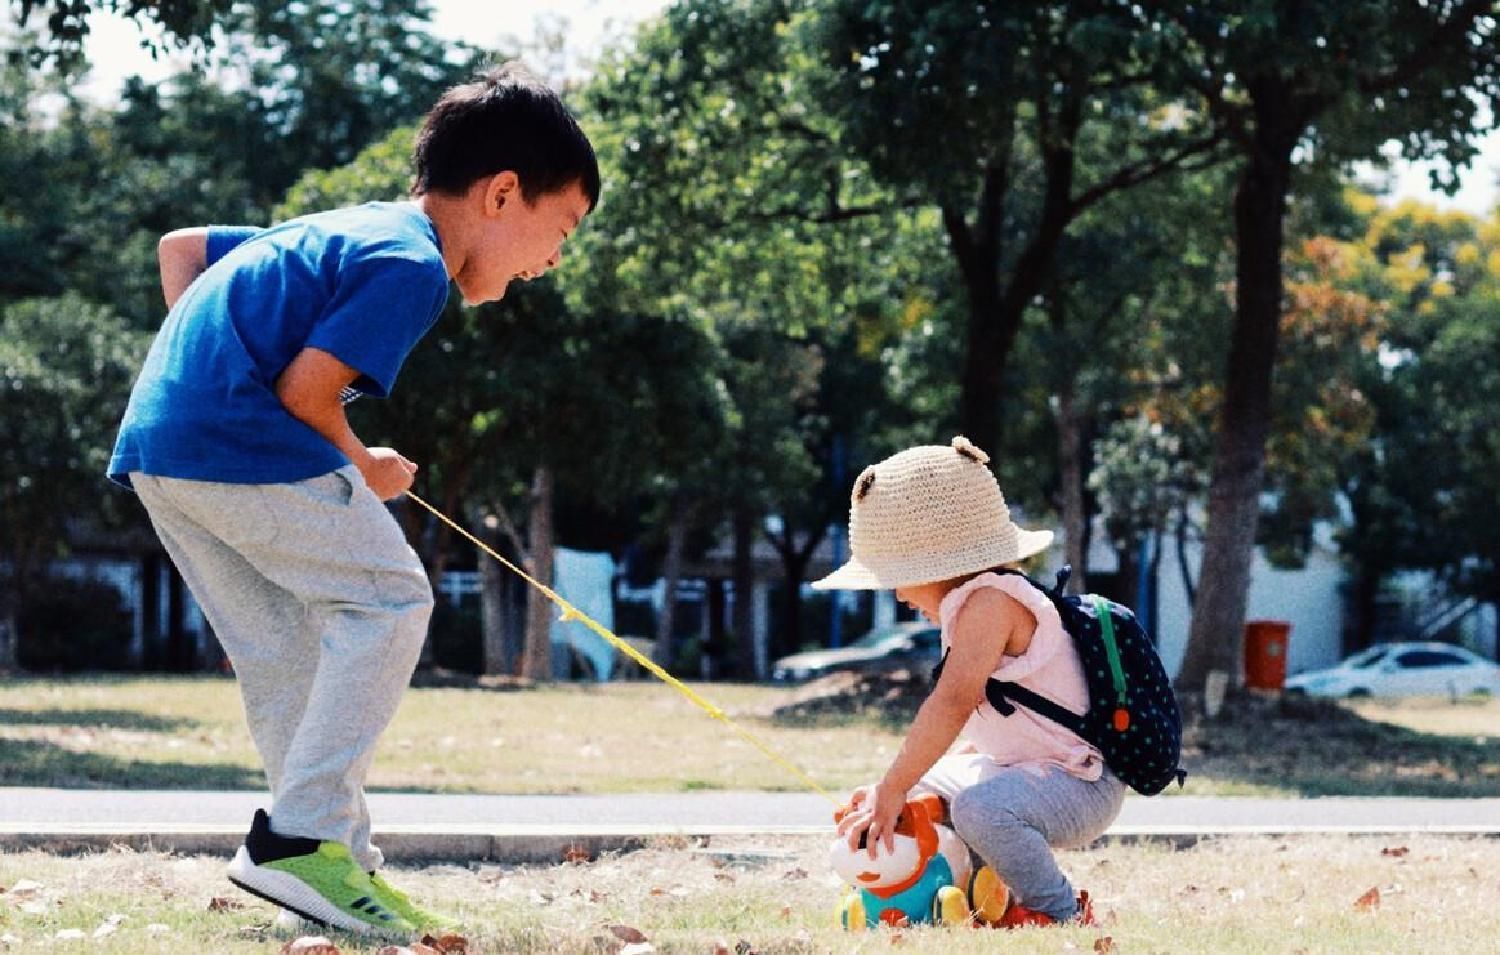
(1050, 667)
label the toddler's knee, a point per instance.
(976, 820)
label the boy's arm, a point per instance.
(309, 388)
(182, 256)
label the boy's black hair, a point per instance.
(507, 119)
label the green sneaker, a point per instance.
(397, 901)
(319, 881)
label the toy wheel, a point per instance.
(851, 914)
(950, 907)
(988, 894)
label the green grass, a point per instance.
(155, 732)
(1227, 897)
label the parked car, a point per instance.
(915, 643)
(1403, 669)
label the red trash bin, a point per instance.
(1265, 653)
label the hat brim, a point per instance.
(857, 575)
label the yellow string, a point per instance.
(571, 612)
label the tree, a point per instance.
(186, 23)
(1326, 80)
(65, 371)
(987, 112)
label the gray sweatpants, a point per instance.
(1013, 818)
(322, 607)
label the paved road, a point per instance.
(40, 808)
(543, 828)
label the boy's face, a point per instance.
(516, 239)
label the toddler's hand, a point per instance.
(872, 814)
(388, 473)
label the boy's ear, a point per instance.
(499, 189)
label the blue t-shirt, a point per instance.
(362, 283)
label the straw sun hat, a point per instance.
(927, 514)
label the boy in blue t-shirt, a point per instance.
(235, 440)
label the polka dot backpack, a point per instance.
(1132, 717)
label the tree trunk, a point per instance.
(1070, 465)
(671, 572)
(537, 661)
(1215, 637)
(492, 611)
(795, 565)
(744, 594)
(1362, 609)
(1189, 586)
(987, 342)
(8, 634)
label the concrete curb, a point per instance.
(548, 845)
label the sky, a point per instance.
(114, 49)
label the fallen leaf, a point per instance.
(596, 896)
(576, 853)
(627, 933)
(1368, 902)
(448, 944)
(220, 903)
(310, 945)
(1395, 853)
(1104, 944)
(658, 891)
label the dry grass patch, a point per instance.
(1228, 897)
(175, 733)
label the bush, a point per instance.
(74, 625)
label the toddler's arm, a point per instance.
(990, 624)
(182, 256)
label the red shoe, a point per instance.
(1019, 916)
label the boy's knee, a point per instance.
(409, 592)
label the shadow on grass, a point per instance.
(1299, 746)
(96, 719)
(1315, 747)
(34, 763)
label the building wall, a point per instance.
(1308, 598)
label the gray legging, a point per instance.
(1014, 817)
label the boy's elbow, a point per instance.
(187, 246)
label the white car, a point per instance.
(1403, 669)
(910, 644)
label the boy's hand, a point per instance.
(387, 473)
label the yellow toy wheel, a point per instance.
(988, 895)
(950, 907)
(851, 914)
